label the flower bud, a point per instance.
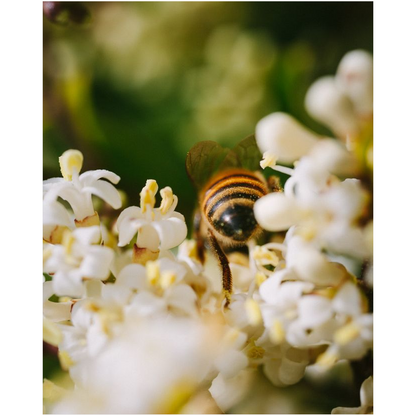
(328, 104)
(355, 79)
(283, 137)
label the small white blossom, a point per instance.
(157, 228)
(78, 189)
(78, 258)
(344, 101)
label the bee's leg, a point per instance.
(227, 280)
(200, 247)
(274, 184)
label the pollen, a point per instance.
(167, 199)
(253, 312)
(69, 161)
(269, 159)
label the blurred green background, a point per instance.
(140, 83)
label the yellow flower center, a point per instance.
(167, 199)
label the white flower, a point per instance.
(324, 212)
(156, 228)
(281, 296)
(79, 258)
(341, 102)
(366, 397)
(159, 288)
(77, 189)
(341, 322)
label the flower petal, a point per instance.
(89, 177)
(276, 212)
(106, 192)
(171, 231)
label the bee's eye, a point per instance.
(237, 222)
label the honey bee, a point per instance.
(228, 185)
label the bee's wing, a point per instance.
(203, 160)
(245, 155)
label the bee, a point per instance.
(228, 185)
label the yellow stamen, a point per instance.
(70, 160)
(269, 159)
(277, 332)
(253, 312)
(167, 199)
(167, 279)
(147, 195)
(65, 360)
(153, 272)
(346, 334)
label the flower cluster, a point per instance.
(139, 322)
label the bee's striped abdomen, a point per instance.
(228, 204)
